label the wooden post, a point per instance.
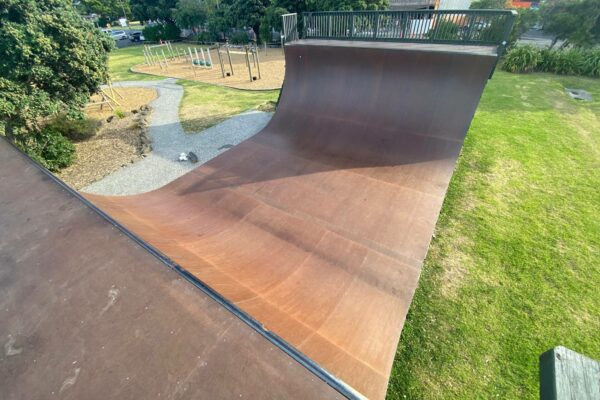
(229, 57)
(248, 63)
(257, 64)
(220, 60)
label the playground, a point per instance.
(240, 67)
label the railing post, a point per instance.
(352, 25)
(376, 26)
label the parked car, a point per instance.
(119, 35)
(136, 37)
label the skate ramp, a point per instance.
(88, 312)
(318, 225)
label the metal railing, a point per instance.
(482, 27)
(290, 28)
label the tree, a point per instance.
(271, 20)
(190, 14)
(577, 22)
(490, 5)
(51, 61)
(247, 13)
(157, 10)
(107, 8)
(526, 18)
(348, 5)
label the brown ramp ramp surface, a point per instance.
(318, 225)
(88, 313)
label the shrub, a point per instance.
(591, 63)
(574, 61)
(74, 129)
(239, 37)
(120, 114)
(159, 32)
(569, 62)
(203, 37)
(48, 147)
(444, 30)
(522, 59)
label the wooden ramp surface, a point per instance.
(318, 225)
(87, 313)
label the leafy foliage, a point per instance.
(490, 4)
(271, 20)
(51, 61)
(157, 32)
(155, 10)
(190, 14)
(112, 9)
(74, 129)
(522, 59)
(444, 30)
(48, 147)
(239, 37)
(348, 5)
(526, 18)
(577, 22)
(573, 61)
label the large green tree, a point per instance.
(107, 8)
(190, 14)
(145, 10)
(348, 5)
(51, 60)
(577, 22)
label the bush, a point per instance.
(444, 30)
(591, 63)
(239, 37)
(522, 59)
(159, 32)
(574, 61)
(203, 37)
(48, 147)
(74, 129)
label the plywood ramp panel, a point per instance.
(318, 225)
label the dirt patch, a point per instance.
(272, 70)
(119, 142)
(129, 98)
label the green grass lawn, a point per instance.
(514, 268)
(205, 105)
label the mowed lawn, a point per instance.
(514, 268)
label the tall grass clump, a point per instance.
(572, 61)
(522, 59)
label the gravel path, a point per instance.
(169, 140)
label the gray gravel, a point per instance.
(169, 140)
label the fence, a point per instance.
(483, 27)
(290, 28)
